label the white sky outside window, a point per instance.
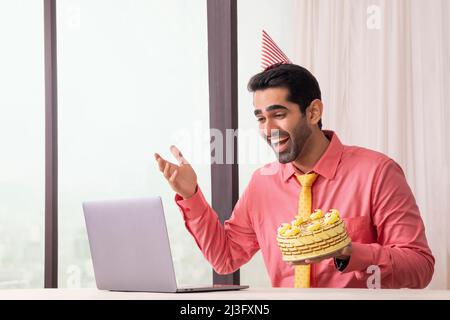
(254, 152)
(22, 146)
(133, 79)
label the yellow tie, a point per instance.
(303, 273)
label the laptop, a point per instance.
(130, 247)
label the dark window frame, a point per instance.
(223, 108)
(51, 147)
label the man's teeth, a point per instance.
(278, 141)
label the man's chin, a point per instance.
(285, 158)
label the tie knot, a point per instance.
(307, 180)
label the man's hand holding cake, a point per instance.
(344, 254)
(315, 238)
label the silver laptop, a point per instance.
(130, 247)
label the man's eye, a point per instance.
(279, 115)
(260, 119)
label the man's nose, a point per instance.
(270, 129)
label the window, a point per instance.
(133, 79)
(21, 144)
(278, 21)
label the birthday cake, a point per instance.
(313, 237)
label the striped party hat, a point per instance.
(271, 54)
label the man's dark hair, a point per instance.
(302, 85)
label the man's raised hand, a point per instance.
(182, 178)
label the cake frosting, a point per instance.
(312, 237)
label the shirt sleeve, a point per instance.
(401, 252)
(226, 246)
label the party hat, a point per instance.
(271, 54)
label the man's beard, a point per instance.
(296, 142)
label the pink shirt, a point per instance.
(371, 193)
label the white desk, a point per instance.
(248, 294)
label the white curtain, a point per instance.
(383, 67)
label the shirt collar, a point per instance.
(328, 162)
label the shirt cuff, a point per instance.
(360, 258)
(192, 207)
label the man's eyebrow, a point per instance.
(270, 108)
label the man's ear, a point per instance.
(314, 112)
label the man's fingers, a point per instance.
(300, 263)
(173, 176)
(178, 155)
(162, 163)
(305, 262)
(297, 263)
(343, 251)
(167, 170)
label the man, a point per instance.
(367, 187)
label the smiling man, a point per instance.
(368, 188)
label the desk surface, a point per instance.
(248, 294)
